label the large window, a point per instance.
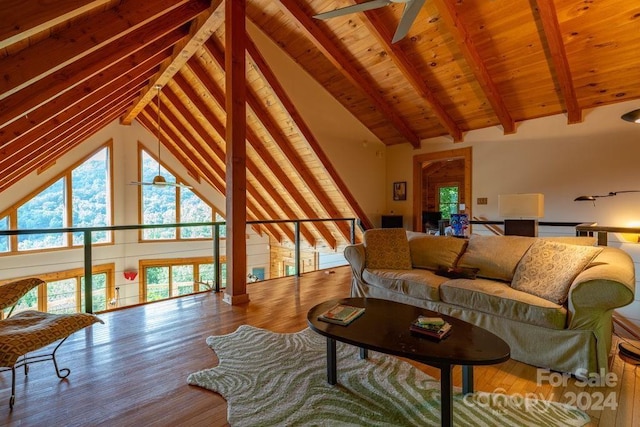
(45, 210)
(79, 197)
(193, 209)
(90, 197)
(223, 228)
(167, 278)
(448, 200)
(171, 204)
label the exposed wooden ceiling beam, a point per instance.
(61, 122)
(61, 144)
(184, 134)
(185, 160)
(213, 173)
(346, 66)
(219, 127)
(169, 138)
(549, 18)
(143, 62)
(208, 168)
(81, 41)
(217, 124)
(399, 57)
(269, 76)
(200, 30)
(22, 103)
(30, 18)
(293, 157)
(465, 44)
(45, 119)
(22, 20)
(217, 180)
(218, 95)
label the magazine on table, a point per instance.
(341, 314)
(434, 327)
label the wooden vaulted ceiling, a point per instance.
(71, 67)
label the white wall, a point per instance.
(561, 161)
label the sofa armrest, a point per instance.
(607, 284)
(355, 255)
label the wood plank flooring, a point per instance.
(132, 370)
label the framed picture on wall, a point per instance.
(400, 190)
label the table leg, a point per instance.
(467, 379)
(446, 395)
(332, 375)
(364, 353)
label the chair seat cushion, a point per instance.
(30, 330)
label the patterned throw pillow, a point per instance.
(548, 269)
(387, 248)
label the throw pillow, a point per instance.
(432, 251)
(573, 240)
(548, 269)
(387, 248)
(496, 257)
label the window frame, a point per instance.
(447, 185)
(170, 263)
(178, 235)
(66, 175)
(77, 274)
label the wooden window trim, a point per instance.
(74, 273)
(12, 211)
(168, 262)
(142, 148)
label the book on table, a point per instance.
(341, 314)
(433, 327)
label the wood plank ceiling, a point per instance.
(71, 67)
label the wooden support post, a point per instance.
(235, 40)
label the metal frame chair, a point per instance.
(31, 330)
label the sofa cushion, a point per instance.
(495, 257)
(548, 269)
(499, 299)
(387, 248)
(421, 284)
(433, 251)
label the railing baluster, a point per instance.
(216, 257)
(298, 271)
(88, 273)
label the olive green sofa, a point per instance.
(550, 299)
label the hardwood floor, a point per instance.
(132, 370)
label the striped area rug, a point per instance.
(271, 379)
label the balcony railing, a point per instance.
(89, 249)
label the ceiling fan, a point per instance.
(409, 14)
(159, 180)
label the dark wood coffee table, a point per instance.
(384, 327)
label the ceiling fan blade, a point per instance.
(175, 184)
(361, 7)
(409, 14)
(166, 184)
